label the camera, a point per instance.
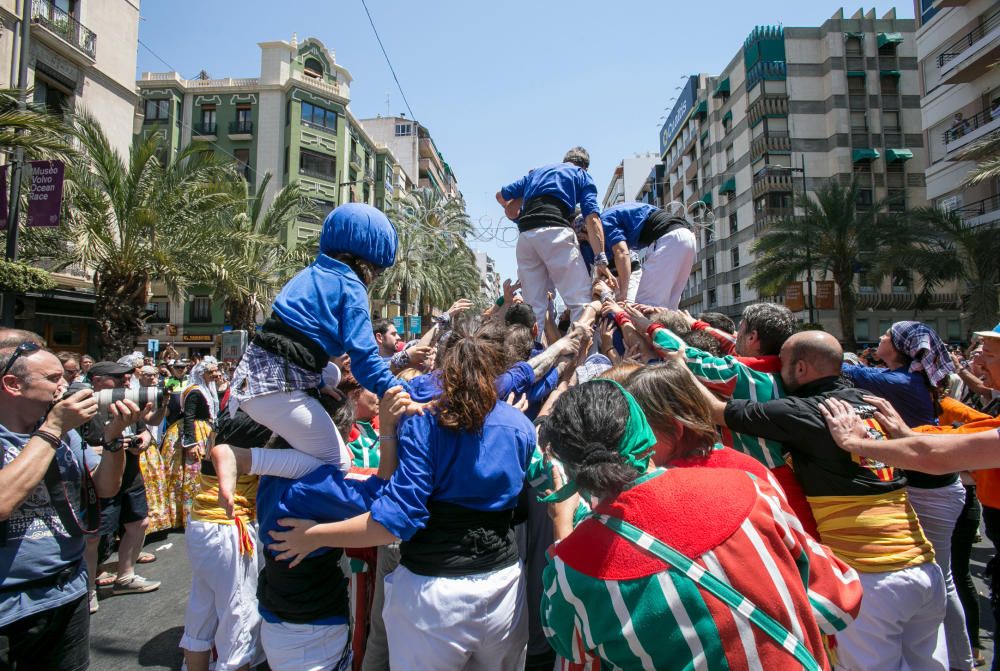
(106, 397)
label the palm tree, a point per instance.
(944, 248)
(986, 153)
(254, 262)
(133, 221)
(830, 237)
(433, 260)
(41, 135)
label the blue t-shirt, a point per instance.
(907, 392)
(623, 223)
(518, 379)
(327, 303)
(569, 183)
(38, 545)
(481, 471)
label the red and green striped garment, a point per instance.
(364, 445)
(606, 598)
(732, 378)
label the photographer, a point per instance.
(49, 484)
(127, 509)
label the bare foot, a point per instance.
(224, 461)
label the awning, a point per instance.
(728, 116)
(855, 73)
(707, 198)
(702, 108)
(861, 155)
(728, 186)
(889, 73)
(722, 88)
(889, 38)
(859, 36)
(898, 155)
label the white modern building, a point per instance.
(628, 177)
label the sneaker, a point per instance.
(93, 602)
(135, 584)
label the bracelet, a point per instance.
(382, 439)
(622, 318)
(53, 440)
(601, 259)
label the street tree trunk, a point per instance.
(847, 311)
(118, 304)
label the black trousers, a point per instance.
(962, 540)
(991, 520)
(57, 639)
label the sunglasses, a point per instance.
(19, 351)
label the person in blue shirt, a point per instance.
(547, 251)
(669, 247)
(917, 367)
(320, 314)
(457, 599)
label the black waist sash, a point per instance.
(543, 211)
(657, 225)
(279, 338)
(460, 541)
(313, 590)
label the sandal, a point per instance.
(105, 579)
(146, 558)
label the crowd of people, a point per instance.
(626, 486)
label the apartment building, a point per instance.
(416, 151)
(957, 45)
(793, 109)
(628, 178)
(81, 56)
(489, 284)
(292, 121)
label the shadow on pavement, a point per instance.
(163, 649)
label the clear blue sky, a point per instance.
(502, 86)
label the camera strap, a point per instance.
(59, 497)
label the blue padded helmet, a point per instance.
(361, 230)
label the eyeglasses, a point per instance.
(19, 351)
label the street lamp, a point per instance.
(809, 271)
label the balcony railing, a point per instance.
(317, 174)
(205, 128)
(979, 208)
(960, 46)
(356, 158)
(61, 23)
(970, 124)
(244, 127)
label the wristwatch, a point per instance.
(115, 445)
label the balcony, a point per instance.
(317, 174)
(767, 181)
(771, 141)
(986, 211)
(768, 104)
(903, 299)
(204, 130)
(369, 175)
(356, 161)
(62, 25)
(241, 130)
(971, 56)
(967, 131)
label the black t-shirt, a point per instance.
(820, 465)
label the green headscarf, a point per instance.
(636, 444)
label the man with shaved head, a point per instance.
(861, 510)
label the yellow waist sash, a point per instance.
(205, 507)
(872, 534)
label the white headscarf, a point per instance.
(196, 378)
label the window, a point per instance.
(866, 285)
(208, 119)
(712, 299)
(710, 266)
(890, 121)
(709, 235)
(883, 326)
(889, 85)
(733, 224)
(730, 158)
(901, 282)
(404, 129)
(854, 47)
(323, 207)
(727, 124)
(156, 110)
(954, 329)
(161, 306)
(865, 199)
(243, 114)
(862, 332)
(313, 68)
(242, 157)
(859, 121)
(856, 85)
(201, 310)
(318, 165)
(319, 117)
(734, 253)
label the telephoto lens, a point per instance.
(79, 385)
(140, 396)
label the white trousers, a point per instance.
(306, 647)
(551, 256)
(302, 421)
(222, 606)
(469, 623)
(666, 269)
(938, 510)
(900, 625)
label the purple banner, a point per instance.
(3, 197)
(45, 196)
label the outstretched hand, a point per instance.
(293, 544)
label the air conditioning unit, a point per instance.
(24, 308)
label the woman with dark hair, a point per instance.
(918, 367)
(457, 599)
(667, 574)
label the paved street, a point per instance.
(142, 631)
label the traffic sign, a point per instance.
(153, 345)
